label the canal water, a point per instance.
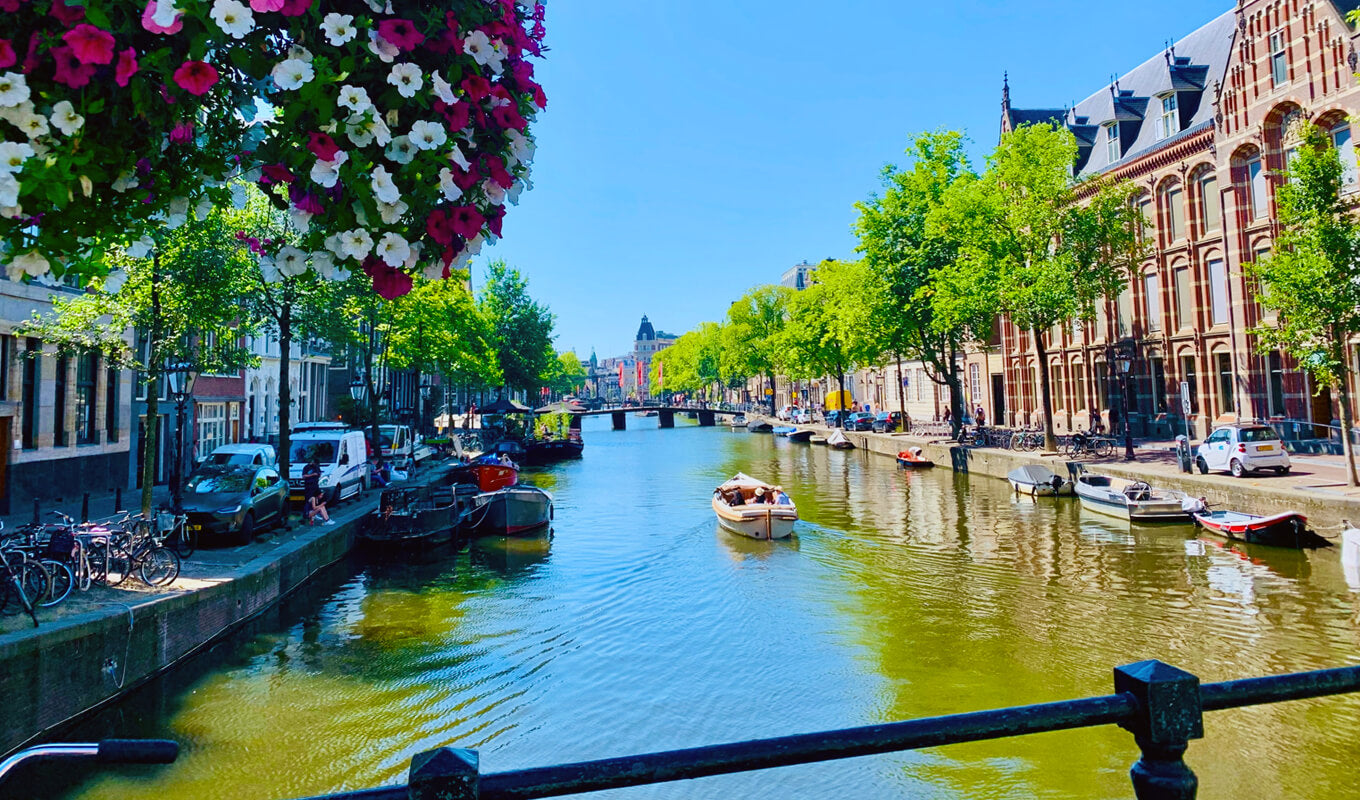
(641, 626)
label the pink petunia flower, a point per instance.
(150, 24)
(69, 70)
(182, 133)
(440, 227)
(7, 56)
(401, 33)
(476, 87)
(309, 203)
(275, 173)
(90, 44)
(295, 8)
(495, 170)
(66, 15)
(508, 117)
(467, 221)
(456, 115)
(493, 222)
(9, 6)
(126, 67)
(389, 282)
(266, 5)
(322, 146)
(196, 77)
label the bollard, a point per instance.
(117, 499)
(1169, 716)
(448, 773)
(85, 507)
(36, 520)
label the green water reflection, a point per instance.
(641, 626)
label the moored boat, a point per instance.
(783, 430)
(1038, 481)
(913, 458)
(411, 517)
(1135, 501)
(547, 451)
(1287, 529)
(743, 506)
(837, 441)
(514, 511)
(817, 439)
(803, 435)
(759, 426)
(486, 473)
(738, 421)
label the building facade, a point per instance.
(308, 376)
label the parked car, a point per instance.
(887, 421)
(800, 416)
(239, 455)
(342, 453)
(783, 413)
(232, 502)
(1240, 449)
(833, 417)
(859, 421)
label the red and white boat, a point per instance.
(1288, 529)
(489, 475)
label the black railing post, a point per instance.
(448, 773)
(1169, 716)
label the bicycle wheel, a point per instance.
(159, 566)
(62, 580)
(185, 541)
(110, 564)
(1102, 447)
(28, 577)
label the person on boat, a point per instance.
(780, 498)
(761, 495)
(736, 499)
(316, 508)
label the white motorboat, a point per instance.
(753, 508)
(1038, 481)
(837, 441)
(1135, 501)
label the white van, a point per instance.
(342, 453)
(398, 445)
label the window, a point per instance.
(1266, 313)
(1276, 368)
(59, 404)
(1157, 376)
(1125, 319)
(1188, 375)
(1256, 188)
(1225, 383)
(31, 394)
(111, 405)
(87, 368)
(1079, 386)
(1211, 213)
(1056, 387)
(1152, 297)
(1279, 61)
(975, 383)
(1185, 299)
(212, 427)
(1149, 219)
(1345, 148)
(6, 345)
(1175, 215)
(1113, 151)
(1169, 123)
(1102, 385)
(1218, 292)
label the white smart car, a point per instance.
(1240, 449)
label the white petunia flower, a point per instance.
(383, 187)
(13, 89)
(238, 196)
(355, 98)
(165, 14)
(401, 150)
(393, 249)
(356, 243)
(31, 263)
(234, 18)
(478, 47)
(512, 196)
(427, 135)
(383, 49)
(299, 52)
(178, 213)
(127, 179)
(290, 261)
(114, 281)
(33, 125)
(299, 220)
(358, 132)
(339, 28)
(434, 271)
(442, 89)
(269, 270)
(474, 247)
(140, 248)
(494, 193)
(391, 213)
(381, 6)
(9, 193)
(447, 186)
(495, 60)
(66, 119)
(292, 73)
(335, 244)
(521, 146)
(13, 155)
(322, 263)
(326, 173)
(407, 78)
(457, 157)
(203, 208)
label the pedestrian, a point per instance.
(311, 478)
(315, 509)
(981, 417)
(948, 415)
(381, 477)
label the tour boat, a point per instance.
(486, 472)
(547, 451)
(411, 517)
(838, 441)
(514, 511)
(1288, 529)
(913, 458)
(1038, 481)
(757, 520)
(803, 435)
(1131, 500)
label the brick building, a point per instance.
(1204, 129)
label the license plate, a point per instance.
(195, 527)
(295, 498)
(1264, 447)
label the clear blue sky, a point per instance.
(694, 148)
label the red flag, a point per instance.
(639, 376)
(661, 374)
(620, 375)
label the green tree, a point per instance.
(187, 303)
(810, 345)
(564, 375)
(521, 328)
(755, 324)
(1042, 248)
(1312, 278)
(692, 365)
(908, 238)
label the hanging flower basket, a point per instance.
(117, 118)
(400, 132)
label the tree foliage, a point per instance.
(755, 325)
(521, 328)
(693, 364)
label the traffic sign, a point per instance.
(1185, 398)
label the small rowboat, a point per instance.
(912, 458)
(1289, 529)
(803, 435)
(740, 508)
(783, 430)
(837, 441)
(1038, 481)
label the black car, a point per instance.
(231, 502)
(887, 421)
(859, 421)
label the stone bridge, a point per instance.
(665, 415)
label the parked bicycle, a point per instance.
(21, 580)
(1027, 440)
(1084, 444)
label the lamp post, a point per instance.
(181, 376)
(425, 387)
(1125, 360)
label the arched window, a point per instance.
(1173, 205)
(1345, 148)
(1209, 214)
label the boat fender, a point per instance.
(1350, 549)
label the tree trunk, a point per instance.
(955, 384)
(901, 393)
(840, 418)
(153, 371)
(773, 390)
(1346, 420)
(285, 321)
(1046, 392)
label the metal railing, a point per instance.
(1162, 707)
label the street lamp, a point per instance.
(181, 377)
(425, 387)
(358, 389)
(1125, 360)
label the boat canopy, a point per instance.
(1036, 474)
(836, 437)
(504, 405)
(743, 481)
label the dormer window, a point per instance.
(1169, 122)
(1279, 61)
(1112, 149)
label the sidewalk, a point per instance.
(101, 507)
